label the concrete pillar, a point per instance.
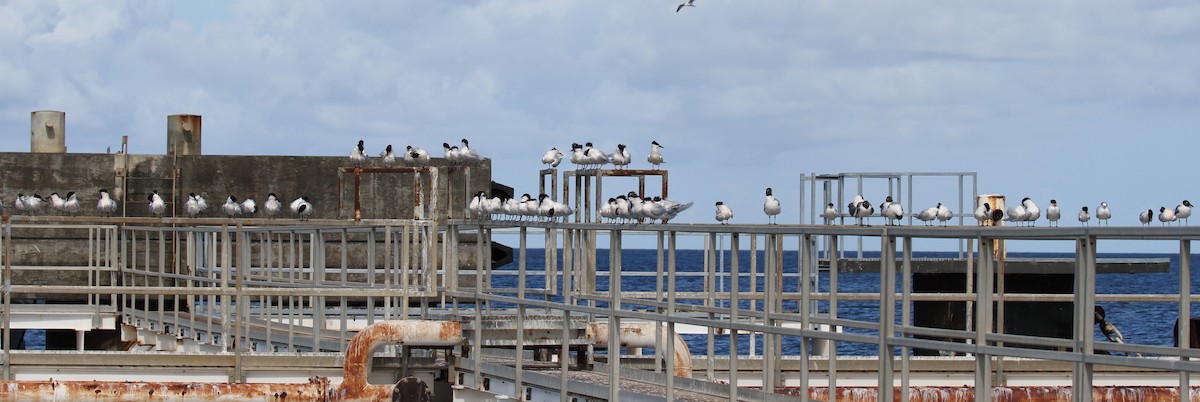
(48, 132)
(183, 134)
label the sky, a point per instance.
(1079, 101)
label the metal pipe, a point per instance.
(641, 334)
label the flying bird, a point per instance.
(655, 158)
(1053, 213)
(723, 212)
(771, 207)
(1103, 213)
(687, 4)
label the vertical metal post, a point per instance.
(6, 240)
(1185, 314)
(710, 279)
(887, 312)
(670, 341)
(906, 316)
(658, 297)
(983, 322)
(808, 264)
(733, 317)
(835, 245)
(614, 321)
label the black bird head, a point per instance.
(621, 147)
(446, 145)
(1085, 208)
(1187, 204)
(464, 142)
(1162, 209)
(888, 199)
(719, 203)
(302, 208)
(360, 145)
(414, 154)
(769, 193)
(388, 149)
(271, 195)
(192, 195)
(71, 193)
(656, 143)
(1053, 202)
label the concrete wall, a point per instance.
(131, 179)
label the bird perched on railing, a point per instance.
(1166, 215)
(1032, 212)
(1146, 216)
(944, 214)
(466, 154)
(451, 154)
(191, 207)
(272, 205)
(301, 208)
(232, 207)
(1053, 213)
(983, 213)
(1183, 211)
(157, 205)
(106, 205)
(928, 215)
(1084, 216)
(723, 213)
(415, 156)
(771, 207)
(71, 204)
(830, 214)
(1103, 213)
(56, 202)
(1016, 213)
(655, 157)
(620, 158)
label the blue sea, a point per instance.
(1139, 322)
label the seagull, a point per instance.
(983, 213)
(1146, 216)
(302, 208)
(1184, 210)
(1032, 213)
(552, 158)
(771, 207)
(358, 155)
(1053, 213)
(891, 211)
(1084, 216)
(272, 205)
(192, 206)
(852, 207)
(467, 154)
(389, 157)
(157, 205)
(944, 213)
(723, 212)
(71, 205)
(655, 158)
(928, 215)
(451, 153)
(1166, 216)
(414, 155)
(231, 207)
(830, 214)
(621, 157)
(687, 4)
(106, 205)
(1103, 213)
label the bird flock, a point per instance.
(71, 205)
(415, 156)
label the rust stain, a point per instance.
(354, 384)
(999, 394)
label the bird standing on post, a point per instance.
(157, 205)
(723, 212)
(655, 158)
(358, 155)
(1053, 213)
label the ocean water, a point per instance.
(1140, 322)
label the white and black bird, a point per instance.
(157, 205)
(688, 3)
(593, 157)
(358, 155)
(1032, 212)
(1146, 216)
(771, 207)
(983, 213)
(1183, 211)
(106, 205)
(416, 156)
(944, 214)
(552, 158)
(1166, 215)
(466, 153)
(830, 213)
(57, 203)
(620, 158)
(388, 156)
(1104, 214)
(1053, 213)
(891, 211)
(301, 208)
(655, 157)
(928, 215)
(863, 211)
(1084, 216)
(231, 207)
(191, 207)
(71, 204)
(1016, 213)
(450, 153)
(272, 206)
(724, 214)
(249, 206)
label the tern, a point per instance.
(1146, 216)
(723, 212)
(928, 215)
(830, 214)
(451, 154)
(157, 205)
(1053, 213)
(552, 158)
(388, 156)
(891, 211)
(1016, 213)
(655, 158)
(1084, 217)
(863, 211)
(687, 4)
(1166, 215)
(1183, 211)
(302, 208)
(621, 157)
(358, 155)
(57, 203)
(71, 204)
(191, 207)
(771, 207)
(272, 206)
(249, 206)
(414, 155)
(231, 207)
(106, 205)
(1032, 212)
(983, 213)
(466, 154)
(944, 214)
